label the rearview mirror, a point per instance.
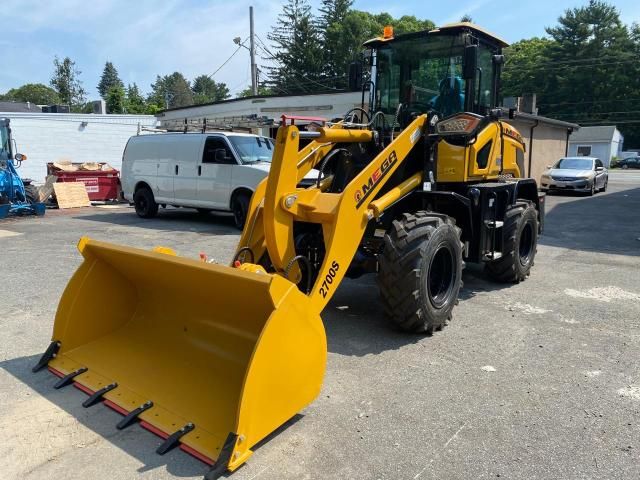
(599, 169)
(221, 155)
(20, 157)
(470, 62)
(355, 76)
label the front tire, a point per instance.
(421, 271)
(240, 208)
(520, 232)
(32, 194)
(144, 202)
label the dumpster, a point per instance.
(101, 180)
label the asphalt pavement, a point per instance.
(539, 380)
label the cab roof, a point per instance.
(448, 29)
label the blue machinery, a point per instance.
(15, 197)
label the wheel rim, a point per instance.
(142, 205)
(526, 244)
(441, 276)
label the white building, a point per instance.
(51, 137)
(604, 142)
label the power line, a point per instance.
(240, 45)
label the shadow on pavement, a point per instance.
(605, 223)
(170, 220)
(355, 322)
(134, 440)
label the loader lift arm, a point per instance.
(343, 216)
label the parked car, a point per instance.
(629, 162)
(579, 174)
(205, 171)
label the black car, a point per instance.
(629, 162)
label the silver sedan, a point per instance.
(576, 174)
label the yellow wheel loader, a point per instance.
(425, 177)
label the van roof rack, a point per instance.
(243, 123)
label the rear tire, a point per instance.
(520, 232)
(146, 206)
(421, 271)
(240, 208)
(32, 194)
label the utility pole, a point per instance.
(252, 50)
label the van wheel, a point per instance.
(146, 206)
(240, 207)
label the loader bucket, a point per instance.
(234, 353)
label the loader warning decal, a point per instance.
(377, 175)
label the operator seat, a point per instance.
(450, 100)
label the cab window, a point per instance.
(214, 148)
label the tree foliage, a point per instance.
(36, 93)
(108, 80)
(135, 102)
(170, 91)
(116, 99)
(206, 90)
(313, 54)
(66, 81)
(297, 50)
(586, 72)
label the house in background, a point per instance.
(603, 142)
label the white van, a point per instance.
(206, 171)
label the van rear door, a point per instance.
(214, 173)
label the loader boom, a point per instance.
(343, 216)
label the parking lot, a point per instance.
(535, 380)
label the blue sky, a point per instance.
(148, 37)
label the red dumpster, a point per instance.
(100, 179)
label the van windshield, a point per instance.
(253, 149)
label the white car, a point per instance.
(205, 171)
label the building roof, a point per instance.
(530, 117)
(19, 107)
(594, 134)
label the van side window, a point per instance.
(212, 146)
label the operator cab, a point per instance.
(451, 69)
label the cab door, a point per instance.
(215, 172)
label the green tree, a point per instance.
(108, 80)
(32, 92)
(170, 91)
(66, 82)
(135, 102)
(206, 90)
(262, 90)
(297, 50)
(116, 99)
(466, 18)
(336, 51)
(586, 72)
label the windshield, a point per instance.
(253, 149)
(575, 164)
(425, 73)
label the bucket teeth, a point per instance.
(97, 396)
(173, 440)
(132, 416)
(68, 379)
(47, 356)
